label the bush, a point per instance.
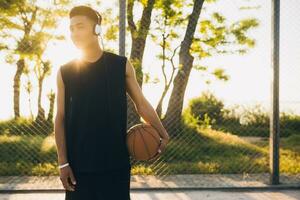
(207, 109)
(13, 126)
(25, 126)
(239, 120)
(290, 121)
(255, 121)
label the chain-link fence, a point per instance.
(290, 104)
(214, 105)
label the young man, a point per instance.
(90, 124)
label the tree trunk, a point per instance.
(49, 123)
(159, 109)
(138, 36)
(17, 80)
(137, 52)
(51, 107)
(41, 112)
(172, 119)
(159, 105)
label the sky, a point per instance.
(250, 74)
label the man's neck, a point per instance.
(92, 54)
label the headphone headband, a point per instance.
(98, 16)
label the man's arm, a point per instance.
(66, 173)
(59, 121)
(143, 107)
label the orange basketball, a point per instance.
(143, 142)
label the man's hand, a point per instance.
(162, 148)
(67, 178)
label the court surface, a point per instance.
(176, 195)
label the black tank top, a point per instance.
(96, 113)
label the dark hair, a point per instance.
(86, 11)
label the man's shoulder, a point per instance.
(115, 56)
(69, 63)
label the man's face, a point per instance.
(81, 29)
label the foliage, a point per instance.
(207, 109)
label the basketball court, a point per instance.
(178, 195)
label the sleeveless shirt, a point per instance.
(96, 113)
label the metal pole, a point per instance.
(122, 26)
(274, 115)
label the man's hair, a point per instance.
(85, 11)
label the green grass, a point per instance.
(255, 130)
(27, 148)
(196, 150)
(28, 155)
(210, 151)
(289, 153)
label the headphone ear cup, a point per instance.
(97, 29)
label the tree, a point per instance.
(27, 29)
(41, 69)
(139, 32)
(168, 19)
(215, 38)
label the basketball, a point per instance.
(143, 142)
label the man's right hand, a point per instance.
(67, 178)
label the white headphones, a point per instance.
(97, 27)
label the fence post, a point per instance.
(122, 26)
(274, 115)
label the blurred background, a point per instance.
(205, 66)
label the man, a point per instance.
(90, 124)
